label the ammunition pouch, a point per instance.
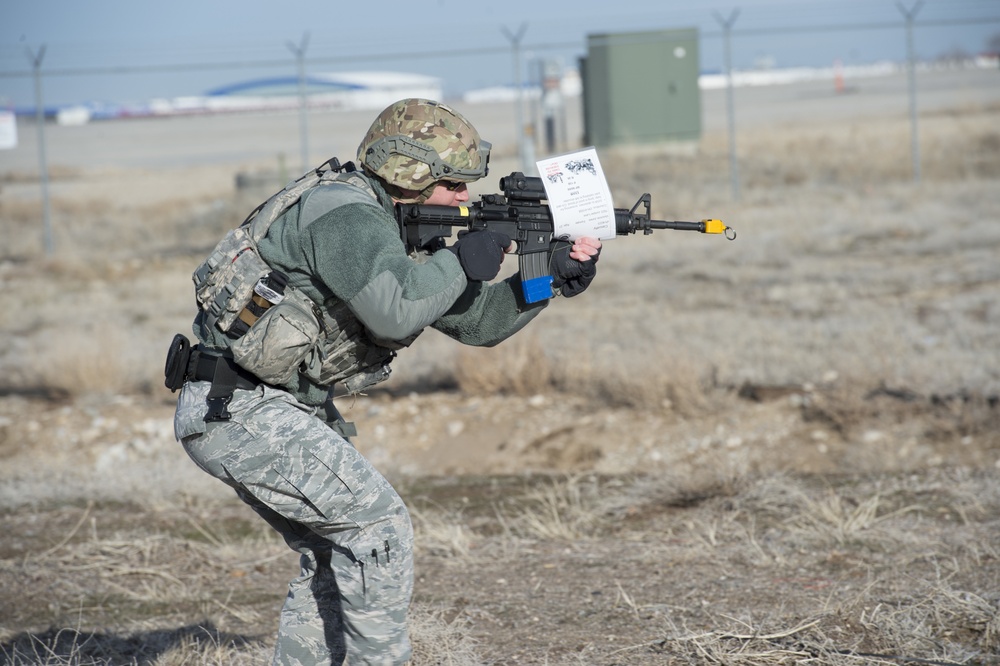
(275, 347)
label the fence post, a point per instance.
(911, 59)
(300, 57)
(734, 172)
(43, 166)
(519, 135)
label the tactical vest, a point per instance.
(277, 331)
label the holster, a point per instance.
(178, 357)
(185, 362)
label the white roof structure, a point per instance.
(340, 90)
(332, 91)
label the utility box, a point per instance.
(641, 88)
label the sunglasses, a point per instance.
(452, 185)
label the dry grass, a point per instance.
(850, 329)
(441, 641)
(882, 570)
(440, 532)
(523, 367)
(560, 510)
(196, 645)
(861, 155)
(808, 193)
(850, 634)
(95, 361)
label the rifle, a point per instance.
(522, 214)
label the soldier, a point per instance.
(255, 408)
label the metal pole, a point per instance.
(300, 56)
(911, 58)
(43, 167)
(734, 174)
(519, 136)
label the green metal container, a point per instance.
(641, 88)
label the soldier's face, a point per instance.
(448, 194)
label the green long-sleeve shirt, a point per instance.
(338, 242)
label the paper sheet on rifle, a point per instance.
(578, 194)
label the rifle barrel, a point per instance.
(628, 222)
(680, 226)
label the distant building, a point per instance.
(336, 91)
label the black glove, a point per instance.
(568, 274)
(480, 253)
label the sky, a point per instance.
(123, 51)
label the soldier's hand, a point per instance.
(574, 265)
(481, 252)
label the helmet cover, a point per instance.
(415, 143)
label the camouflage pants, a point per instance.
(350, 527)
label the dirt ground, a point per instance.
(783, 449)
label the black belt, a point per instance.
(203, 368)
(185, 362)
(220, 370)
(226, 377)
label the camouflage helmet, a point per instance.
(415, 143)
